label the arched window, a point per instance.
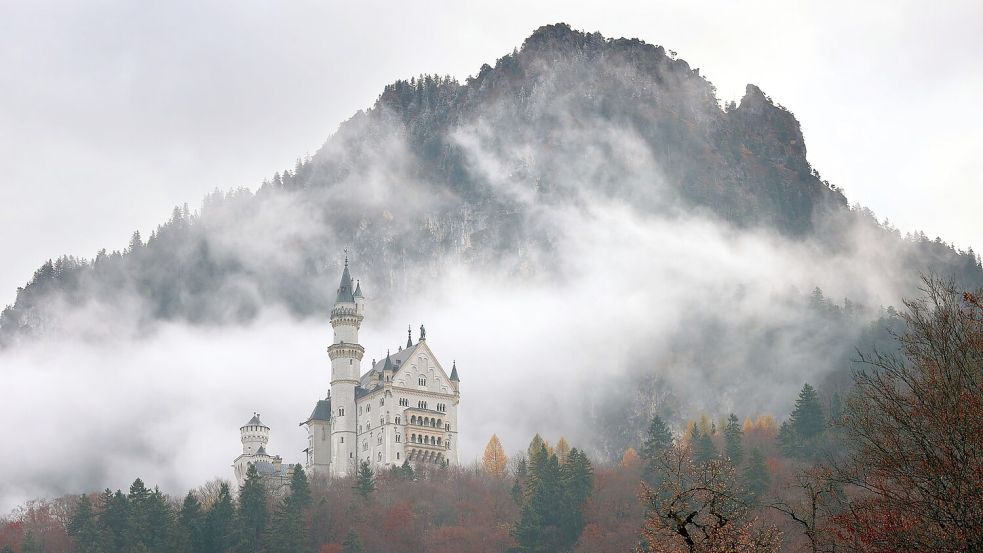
(397, 419)
(422, 381)
(397, 438)
(341, 411)
(380, 455)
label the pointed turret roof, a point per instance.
(409, 336)
(345, 294)
(255, 421)
(358, 290)
(454, 377)
(261, 451)
(389, 363)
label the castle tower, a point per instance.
(254, 436)
(346, 359)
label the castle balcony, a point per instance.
(345, 350)
(425, 419)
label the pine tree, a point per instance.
(254, 515)
(577, 483)
(191, 522)
(733, 440)
(405, 471)
(539, 527)
(83, 528)
(364, 480)
(703, 448)
(756, 476)
(807, 417)
(114, 521)
(494, 461)
(288, 534)
(658, 441)
(220, 522)
(159, 530)
(352, 543)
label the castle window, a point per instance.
(342, 439)
(368, 407)
(397, 455)
(380, 455)
(404, 402)
(382, 401)
(397, 438)
(341, 411)
(380, 421)
(422, 381)
(397, 419)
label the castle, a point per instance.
(404, 408)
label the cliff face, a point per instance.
(473, 172)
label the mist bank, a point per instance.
(635, 319)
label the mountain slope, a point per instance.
(440, 172)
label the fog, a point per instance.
(535, 353)
(633, 306)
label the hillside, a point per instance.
(438, 172)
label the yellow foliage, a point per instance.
(494, 461)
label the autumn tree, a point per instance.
(913, 423)
(494, 461)
(562, 450)
(699, 507)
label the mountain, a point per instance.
(438, 171)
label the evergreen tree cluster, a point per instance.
(553, 494)
(145, 520)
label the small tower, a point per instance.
(254, 435)
(346, 360)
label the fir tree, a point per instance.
(191, 522)
(756, 476)
(220, 522)
(114, 521)
(807, 417)
(254, 515)
(289, 520)
(364, 480)
(405, 471)
(352, 543)
(658, 441)
(733, 440)
(704, 450)
(82, 527)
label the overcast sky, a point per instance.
(112, 112)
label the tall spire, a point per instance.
(389, 362)
(454, 377)
(409, 336)
(345, 293)
(358, 290)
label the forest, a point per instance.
(894, 465)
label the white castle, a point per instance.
(403, 409)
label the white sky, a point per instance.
(112, 112)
